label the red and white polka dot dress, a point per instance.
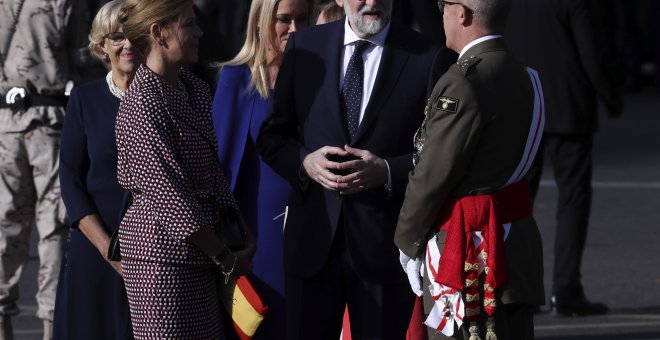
(167, 158)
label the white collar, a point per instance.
(378, 39)
(477, 41)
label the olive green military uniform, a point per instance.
(37, 58)
(472, 140)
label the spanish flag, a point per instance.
(244, 305)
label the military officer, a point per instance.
(37, 55)
(483, 124)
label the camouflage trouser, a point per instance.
(30, 192)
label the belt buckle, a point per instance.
(17, 99)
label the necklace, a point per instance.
(113, 88)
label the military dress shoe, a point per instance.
(579, 306)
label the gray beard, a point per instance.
(367, 27)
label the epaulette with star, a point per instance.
(467, 62)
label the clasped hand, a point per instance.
(366, 169)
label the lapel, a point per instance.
(391, 64)
(332, 50)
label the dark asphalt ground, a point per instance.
(620, 266)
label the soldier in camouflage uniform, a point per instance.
(36, 59)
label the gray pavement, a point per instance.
(620, 264)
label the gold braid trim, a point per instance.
(474, 331)
(488, 287)
(472, 311)
(490, 303)
(484, 255)
(487, 269)
(490, 329)
(470, 283)
(471, 266)
(471, 297)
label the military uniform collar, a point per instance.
(477, 41)
(470, 56)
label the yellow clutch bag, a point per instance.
(244, 305)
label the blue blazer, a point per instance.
(232, 129)
(306, 116)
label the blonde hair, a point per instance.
(137, 16)
(106, 21)
(259, 37)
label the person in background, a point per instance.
(171, 250)
(329, 12)
(241, 102)
(38, 54)
(230, 20)
(559, 39)
(91, 298)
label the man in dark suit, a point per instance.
(349, 97)
(483, 124)
(559, 40)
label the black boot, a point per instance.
(576, 306)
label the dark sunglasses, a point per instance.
(117, 38)
(442, 3)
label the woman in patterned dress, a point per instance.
(167, 158)
(91, 298)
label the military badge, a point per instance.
(446, 104)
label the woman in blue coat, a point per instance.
(91, 299)
(242, 100)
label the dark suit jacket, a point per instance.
(306, 116)
(473, 146)
(558, 39)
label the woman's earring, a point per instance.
(161, 42)
(106, 58)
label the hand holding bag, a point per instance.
(229, 228)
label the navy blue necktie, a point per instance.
(351, 91)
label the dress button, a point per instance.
(417, 243)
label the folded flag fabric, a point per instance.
(244, 305)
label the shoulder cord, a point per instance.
(7, 46)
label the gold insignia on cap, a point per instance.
(446, 104)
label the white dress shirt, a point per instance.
(371, 57)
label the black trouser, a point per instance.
(315, 306)
(571, 160)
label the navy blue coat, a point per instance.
(91, 299)
(306, 116)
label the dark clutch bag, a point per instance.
(113, 248)
(230, 230)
